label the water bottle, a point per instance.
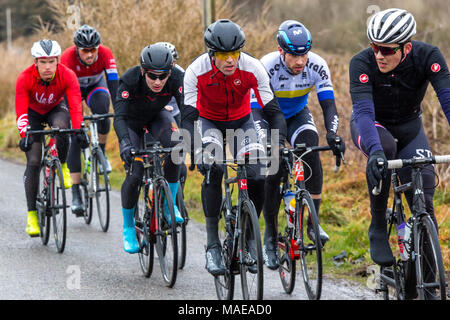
(401, 241)
(407, 237)
(289, 207)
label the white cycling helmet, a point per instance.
(45, 49)
(391, 26)
(171, 48)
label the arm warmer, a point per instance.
(276, 120)
(444, 99)
(330, 116)
(364, 113)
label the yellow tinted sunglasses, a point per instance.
(225, 55)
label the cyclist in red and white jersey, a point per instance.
(90, 61)
(217, 93)
(40, 91)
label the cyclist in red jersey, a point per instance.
(90, 61)
(40, 91)
(217, 93)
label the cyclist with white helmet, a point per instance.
(294, 71)
(40, 91)
(388, 82)
(91, 61)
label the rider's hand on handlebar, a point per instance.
(82, 139)
(126, 151)
(336, 143)
(374, 172)
(25, 145)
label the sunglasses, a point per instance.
(154, 76)
(225, 55)
(89, 50)
(385, 51)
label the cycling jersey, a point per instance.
(137, 105)
(394, 98)
(292, 91)
(225, 98)
(90, 75)
(42, 97)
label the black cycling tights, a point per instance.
(31, 175)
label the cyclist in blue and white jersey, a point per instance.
(294, 71)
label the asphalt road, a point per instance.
(94, 265)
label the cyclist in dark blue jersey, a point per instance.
(387, 84)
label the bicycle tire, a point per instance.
(86, 201)
(58, 206)
(287, 269)
(166, 234)
(429, 285)
(225, 283)
(42, 206)
(102, 187)
(142, 216)
(310, 254)
(181, 230)
(250, 239)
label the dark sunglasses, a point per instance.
(385, 51)
(154, 76)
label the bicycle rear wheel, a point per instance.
(225, 283)
(166, 234)
(58, 206)
(181, 230)
(310, 252)
(42, 205)
(101, 188)
(287, 263)
(142, 216)
(430, 270)
(251, 267)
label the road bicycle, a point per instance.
(418, 269)
(241, 243)
(95, 180)
(297, 242)
(51, 197)
(152, 228)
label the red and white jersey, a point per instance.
(33, 93)
(90, 75)
(225, 98)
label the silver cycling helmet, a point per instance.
(391, 26)
(171, 48)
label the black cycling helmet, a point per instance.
(294, 38)
(156, 57)
(224, 35)
(86, 37)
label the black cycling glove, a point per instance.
(336, 147)
(373, 171)
(126, 151)
(82, 139)
(25, 147)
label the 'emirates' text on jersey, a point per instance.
(292, 91)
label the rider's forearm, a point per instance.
(189, 115)
(364, 114)
(113, 85)
(276, 120)
(330, 116)
(444, 99)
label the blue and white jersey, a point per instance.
(292, 91)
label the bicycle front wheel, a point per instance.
(251, 267)
(58, 206)
(166, 233)
(142, 217)
(181, 230)
(429, 265)
(307, 231)
(101, 188)
(225, 283)
(287, 262)
(42, 205)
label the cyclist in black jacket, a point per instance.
(143, 93)
(387, 84)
